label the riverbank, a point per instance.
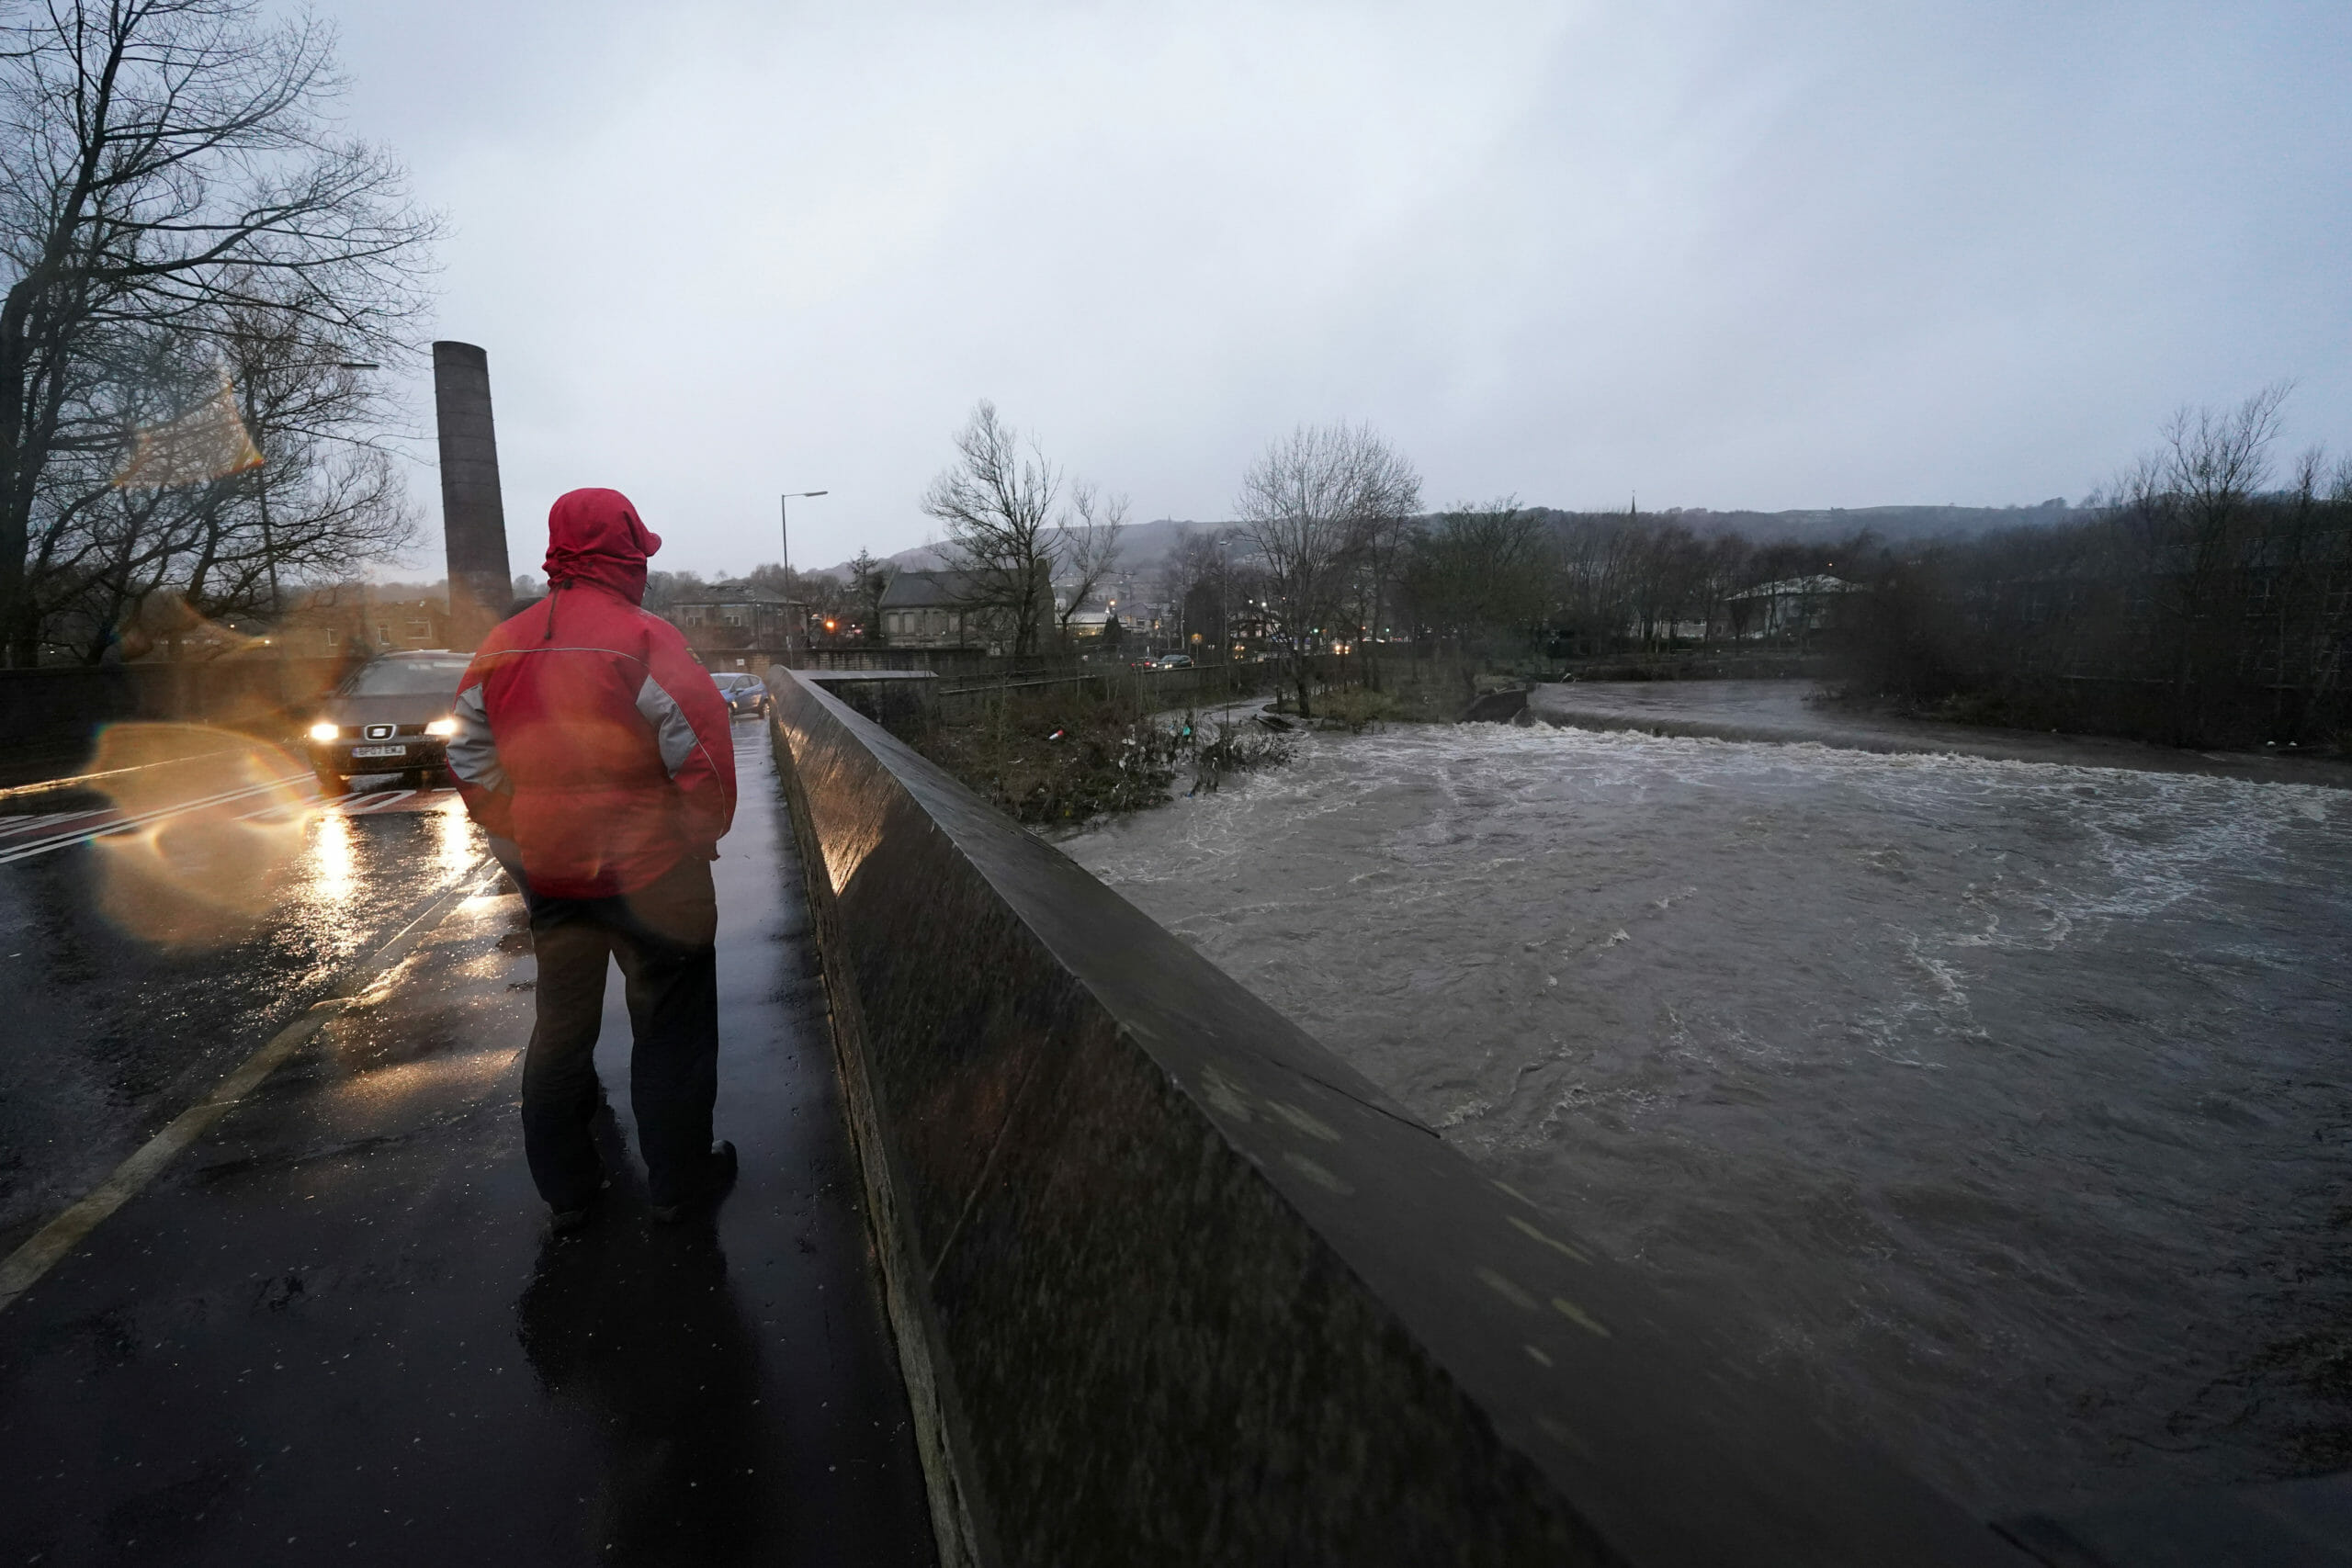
(1796, 711)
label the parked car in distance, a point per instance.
(745, 694)
(391, 715)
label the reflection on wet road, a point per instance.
(160, 923)
(2007, 1104)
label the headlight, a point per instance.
(445, 727)
(323, 731)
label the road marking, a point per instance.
(124, 824)
(45, 784)
(376, 801)
(55, 1241)
(367, 805)
(18, 827)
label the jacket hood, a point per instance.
(596, 536)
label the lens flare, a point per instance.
(219, 818)
(209, 441)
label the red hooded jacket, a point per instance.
(586, 732)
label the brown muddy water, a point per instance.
(2009, 1105)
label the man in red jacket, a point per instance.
(593, 746)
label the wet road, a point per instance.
(2006, 1104)
(335, 1324)
(159, 924)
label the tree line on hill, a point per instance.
(1496, 582)
(2205, 600)
(2199, 601)
(2208, 601)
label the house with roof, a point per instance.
(1790, 607)
(724, 616)
(936, 609)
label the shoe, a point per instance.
(718, 1176)
(563, 1222)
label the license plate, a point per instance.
(379, 751)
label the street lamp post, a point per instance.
(784, 521)
(1224, 600)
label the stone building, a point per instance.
(933, 609)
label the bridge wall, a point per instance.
(1174, 1284)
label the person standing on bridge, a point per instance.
(594, 750)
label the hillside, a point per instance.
(1147, 544)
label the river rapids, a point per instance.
(2009, 1105)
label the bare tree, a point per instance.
(2185, 504)
(1010, 540)
(996, 504)
(1198, 577)
(1088, 547)
(275, 475)
(164, 165)
(1376, 561)
(1479, 572)
(869, 578)
(1308, 501)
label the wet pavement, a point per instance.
(336, 1325)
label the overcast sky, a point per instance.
(1722, 255)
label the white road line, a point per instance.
(78, 779)
(376, 801)
(356, 806)
(18, 827)
(55, 1241)
(60, 841)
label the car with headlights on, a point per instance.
(392, 715)
(745, 694)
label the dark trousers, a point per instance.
(662, 936)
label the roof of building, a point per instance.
(927, 591)
(1791, 587)
(732, 593)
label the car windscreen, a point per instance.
(408, 678)
(736, 683)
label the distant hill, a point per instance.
(1142, 547)
(1892, 525)
(1145, 545)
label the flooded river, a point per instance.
(2007, 1104)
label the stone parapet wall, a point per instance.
(1174, 1284)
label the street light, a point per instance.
(784, 523)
